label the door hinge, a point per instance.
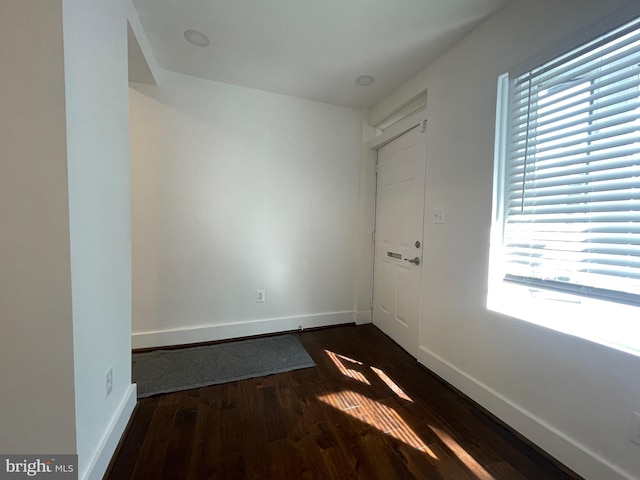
(375, 168)
(373, 237)
(371, 304)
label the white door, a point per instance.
(398, 245)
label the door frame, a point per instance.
(419, 118)
(398, 129)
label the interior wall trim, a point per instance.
(224, 331)
(574, 455)
(109, 442)
(363, 317)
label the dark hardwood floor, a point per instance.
(367, 411)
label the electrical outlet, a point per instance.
(635, 428)
(109, 381)
(261, 296)
(438, 215)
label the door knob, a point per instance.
(413, 260)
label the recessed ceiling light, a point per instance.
(365, 80)
(196, 38)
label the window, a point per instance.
(567, 181)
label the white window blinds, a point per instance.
(572, 186)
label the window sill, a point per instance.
(610, 324)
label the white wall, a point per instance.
(236, 190)
(36, 338)
(96, 77)
(65, 243)
(572, 397)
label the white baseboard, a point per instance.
(363, 317)
(180, 336)
(100, 460)
(577, 457)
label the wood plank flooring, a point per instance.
(367, 411)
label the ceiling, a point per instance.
(313, 49)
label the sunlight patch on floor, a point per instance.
(377, 415)
(341, 361)
(391, 384)
(462, 454)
